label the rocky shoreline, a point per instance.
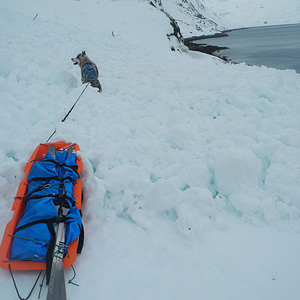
(205, 47)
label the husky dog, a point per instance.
(89, 71)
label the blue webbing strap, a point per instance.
(88, 72)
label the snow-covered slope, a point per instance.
(203, 17)
(192, 16)
(191, 166)
(247, 13)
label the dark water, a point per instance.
(272, 46)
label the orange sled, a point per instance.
(19, 207)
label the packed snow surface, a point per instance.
(191, 166)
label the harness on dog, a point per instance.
(90, 73)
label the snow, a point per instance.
(191, 166)
(249, 13)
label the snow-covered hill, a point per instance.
(192, 16)
(248, 13)
(191, 165)
(203, 17)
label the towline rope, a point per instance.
(66, 116)
(17, 287)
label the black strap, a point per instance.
(49, 253)
(43, 221)
(50, 178)
(73, 167)
(57, 196)
(38, 189)
(45, 185)
(80, 240)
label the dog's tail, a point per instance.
(96, 84)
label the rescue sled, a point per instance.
(24, 204)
